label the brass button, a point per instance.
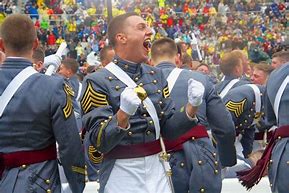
(136, 78)
(216, 172)
(117, 87)
(152, 72)
(151, 122)
(245, 121)
(148, 132)
(252, 109)
(288, 162)
(216, 163)
(110, 78)
(144, 106)
(47, 181)
(279, 137)
(159, 91)
(155, 81)
(237, 127)
(214, 154)
(241, 125)
(126, 66)
(48, 191)
(140, 84)
(193, 138)
(144, 115)
(115, 61)
(160, 102)
(271, 161)
(23, 166)
(129, 133)
(109, 117)
(200, 162)
(249, 115)
(182, 164)
(162, 112)
(202, 190)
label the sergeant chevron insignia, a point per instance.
(95, 156)
(166, 92)
(236, 107)
(92, 99)
(68, 108)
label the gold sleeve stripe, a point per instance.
(236, 107)
(78, 170)
(166, 92)
(94, 156)
(69, 89)
(91, 98)
(103, 125)
(68, 108)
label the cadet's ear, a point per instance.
(121, 37)
(35, 44)
(2, 46)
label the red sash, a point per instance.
(154, 147)
(19, 158)
(251, 177)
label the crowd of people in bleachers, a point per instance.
(258, 28)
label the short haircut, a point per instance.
(186, 59)
(263, 66)
(71, 64)
(282, 55)
(117, 25)
(228, 63)
(38, 55)
(103, 52)
(18, 33)
(164, 47)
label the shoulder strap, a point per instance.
(172, 78)
(228, 87)
(257, 94)
(13, 86)
(278, 97)
(122, 76)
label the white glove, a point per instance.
(129, 101)
(53, 60)
(195, 92)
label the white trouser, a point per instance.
(141, 175)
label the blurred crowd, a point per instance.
(208, 28)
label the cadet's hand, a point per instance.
(195, 92)
(52, 60)
(129, 101)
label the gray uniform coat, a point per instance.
(34, 119)
(279, 168)
(196, 167)
(100, 101)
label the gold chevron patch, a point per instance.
(68, 108)
(92, 99)
(166, 92)
(236, 107)
(95, 156)
(78, 170)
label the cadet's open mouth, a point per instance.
(147, 44)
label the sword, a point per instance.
(164, 156)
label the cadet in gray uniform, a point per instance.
(37, 115)
(197, 165)
(246, 105)
(120, 126)
(276, 154)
